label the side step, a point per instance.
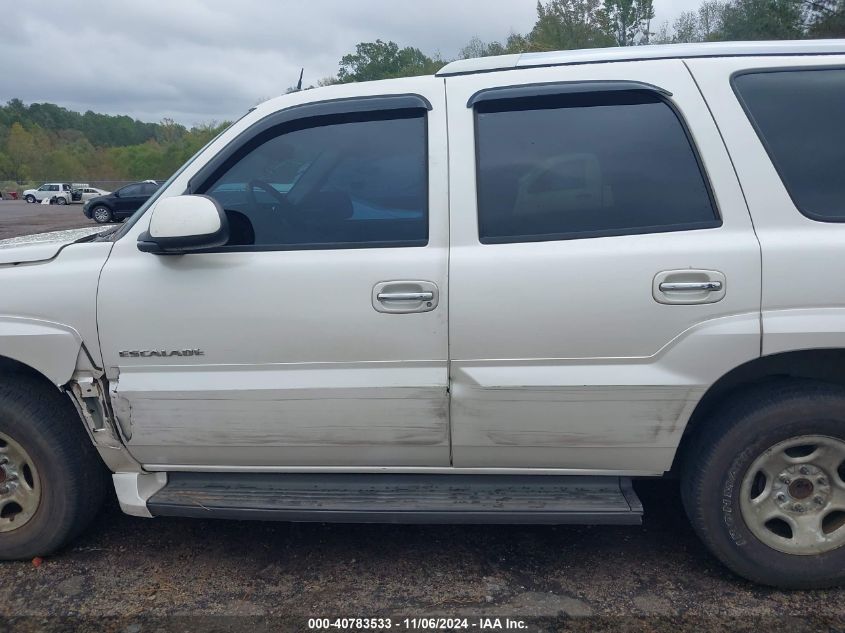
(390, 498)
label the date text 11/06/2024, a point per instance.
(416, 624)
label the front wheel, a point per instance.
(765, 486)
(102, 215)
(30, 199)
(51, 480)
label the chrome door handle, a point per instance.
(690, 286)
(405, 296)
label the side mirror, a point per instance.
(185, 223)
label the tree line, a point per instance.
(572, 24)
(43, 140)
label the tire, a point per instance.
(61, 201)
(102, 214)
(784, 428)
(30, 199)
(63, 467)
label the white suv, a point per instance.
(59, 192)
(496, 295)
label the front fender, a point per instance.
(49, 348)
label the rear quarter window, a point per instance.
(799, 115)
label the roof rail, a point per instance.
(636, 53)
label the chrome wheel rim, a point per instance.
(792, 497)
(61, 201)
(20, 485)
(101, 215)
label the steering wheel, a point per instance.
(274, 193)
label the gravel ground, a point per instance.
(19, 218)
(135, 575)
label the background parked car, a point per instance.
(120, 204)
(61, 191)
(85, 193)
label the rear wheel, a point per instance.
(30, 198)
(765, 485)
(101, 214)
(51, 480)
(61, 200)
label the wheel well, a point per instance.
(821, 365)
(12, 367)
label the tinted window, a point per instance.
(131, 190)
(148, 188)
(586, 165)
(338, 184)
(800, 117)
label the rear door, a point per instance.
(604, 270)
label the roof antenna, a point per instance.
(299, 85)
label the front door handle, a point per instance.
(690, 286)
(403, 297)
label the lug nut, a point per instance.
(4, 490)
(4, 461)
(781, 497)
(798, 507)
(785, 480)
(821, 481)
(804, 470)
(818, 500)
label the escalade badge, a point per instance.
(163, 353)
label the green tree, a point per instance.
(686, 27)
(711, 19)
(19, 147)
(762, 20)
(568, 24)
(6, 168)
(385, 60)
(825, 18)
(630, 20)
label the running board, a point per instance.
(389, 498)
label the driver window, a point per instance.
(346, 182)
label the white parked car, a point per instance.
(498, 295)
(60, 192)
(92, 192)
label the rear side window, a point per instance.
(131, 190)
(586, 165)
(799, 116)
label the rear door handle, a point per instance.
(690, 286)
(687, 286)
(403, 297)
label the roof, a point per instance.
(635, 53)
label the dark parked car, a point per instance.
(120, 204)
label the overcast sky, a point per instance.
(209, 60)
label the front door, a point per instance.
(129, 198)
(604, 270)
(318, 335)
